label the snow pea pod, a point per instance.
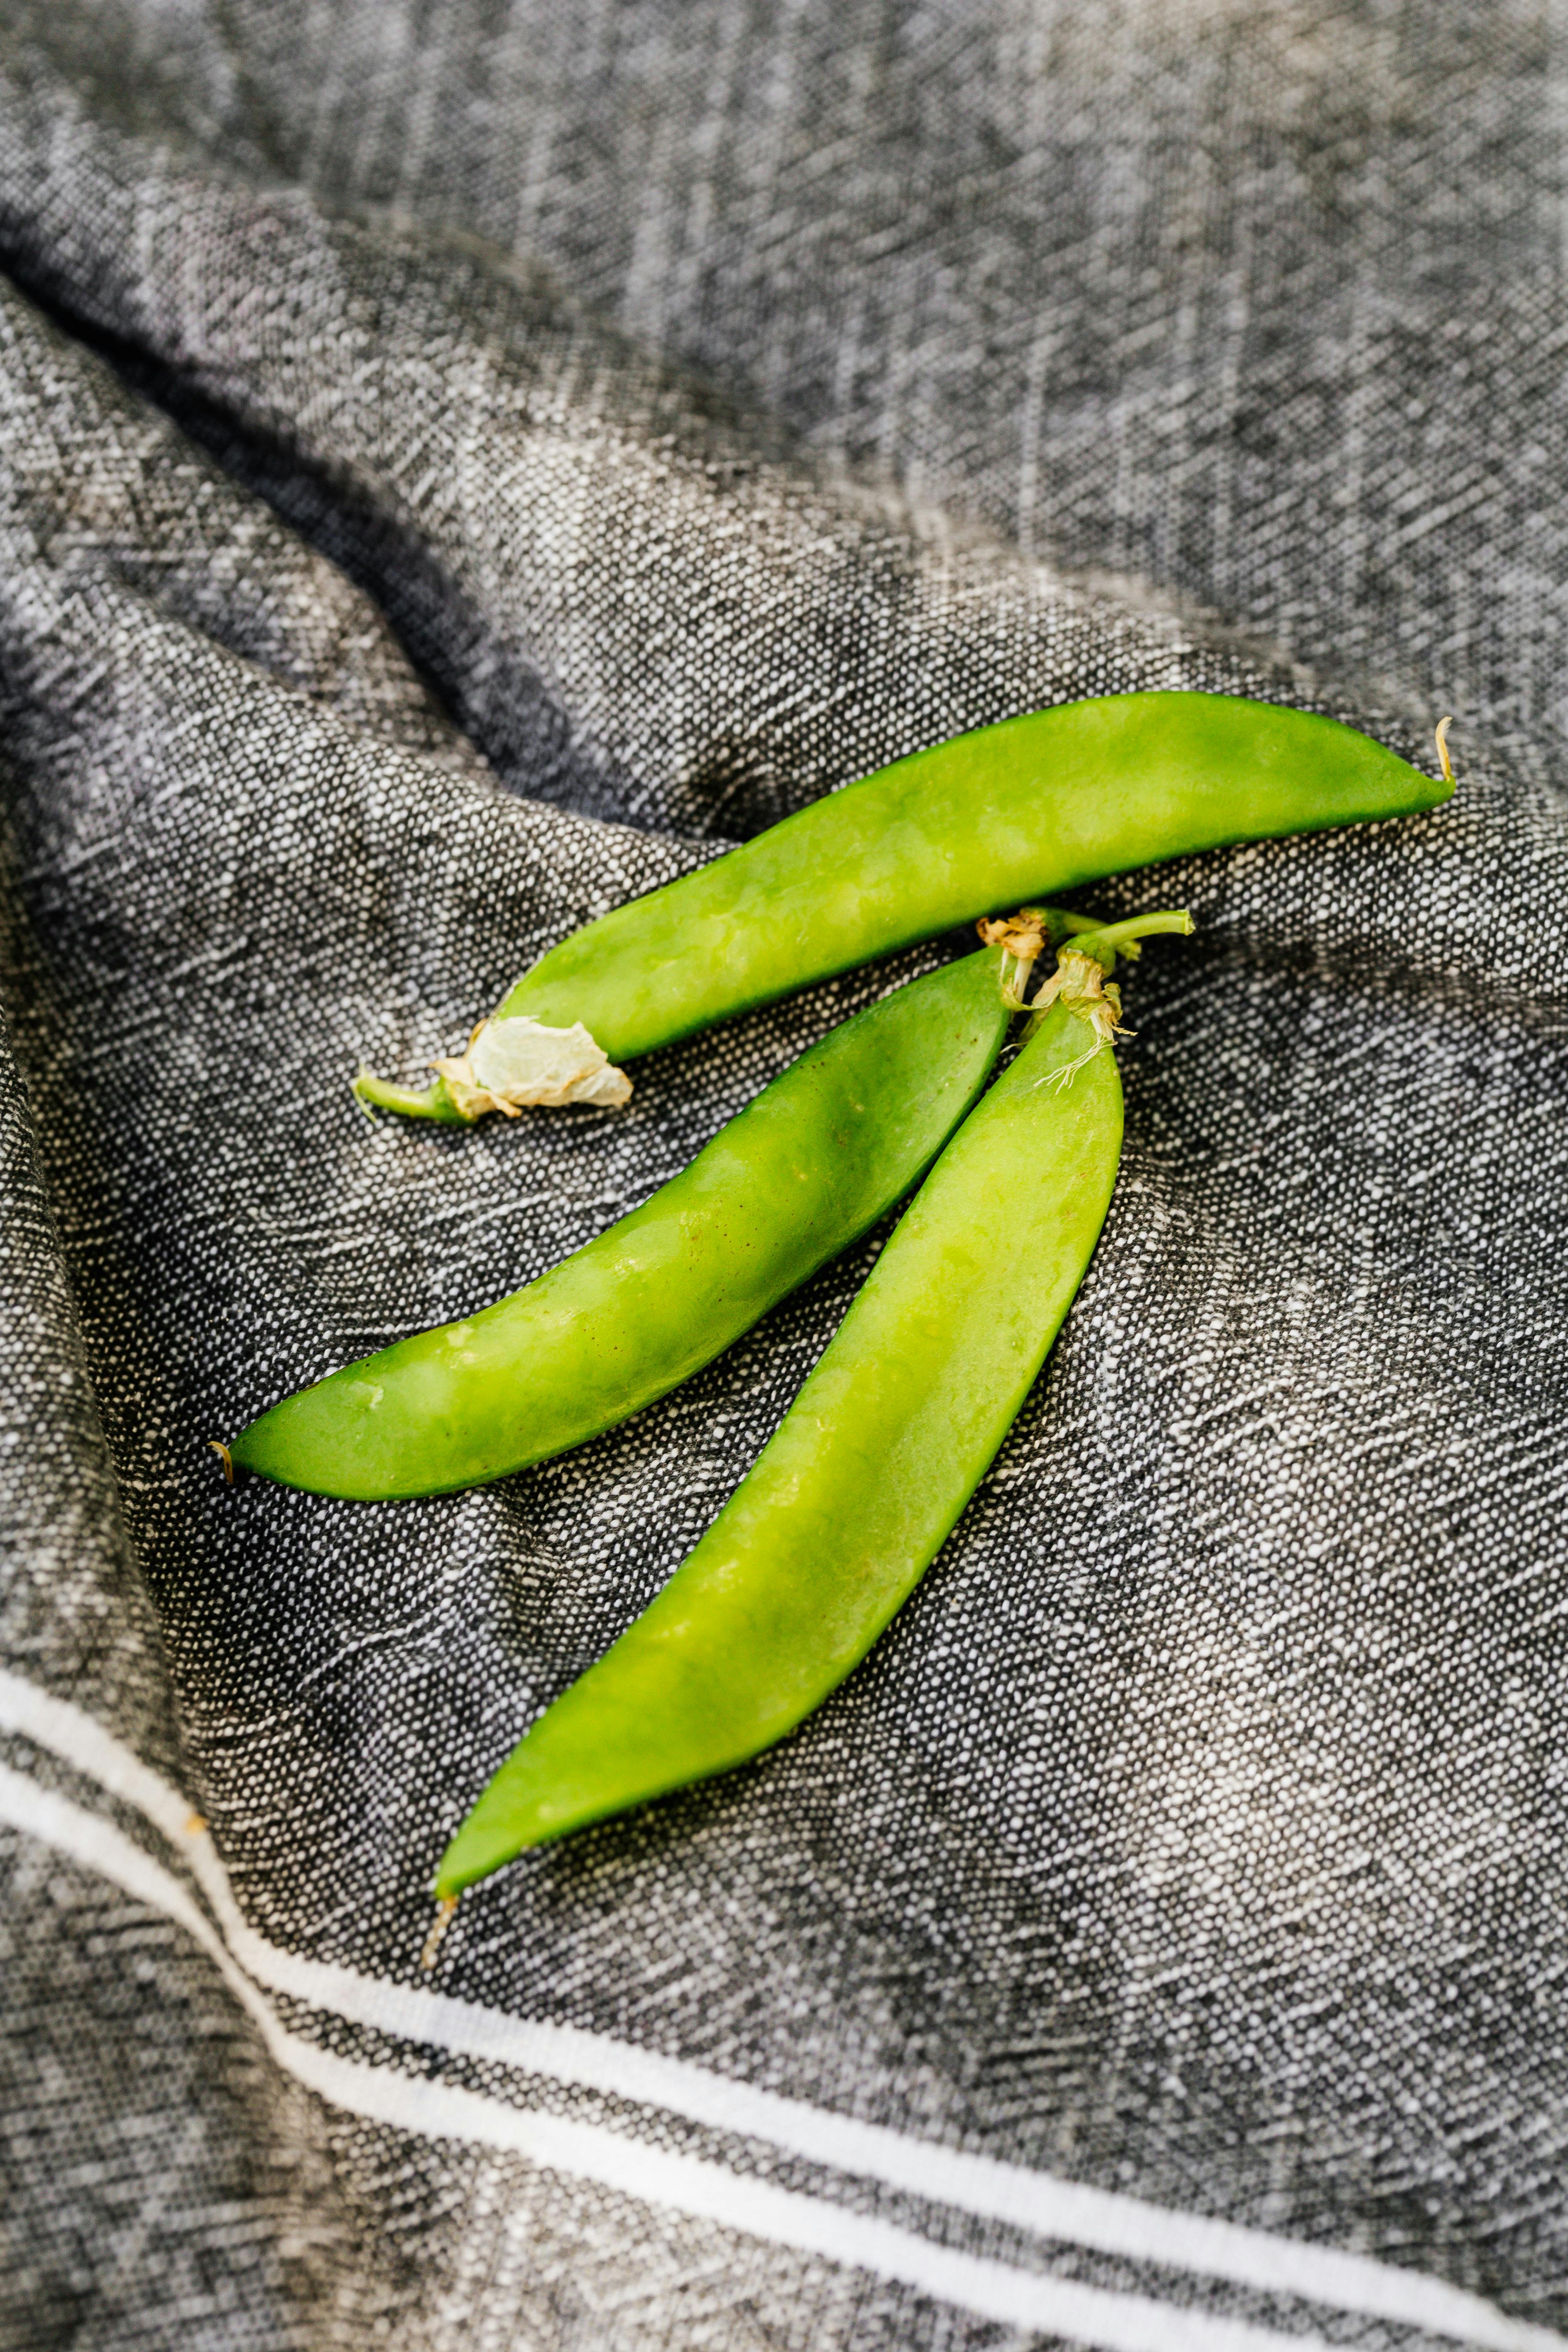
(1021, 809)
(799, 1174)
(851, 1499)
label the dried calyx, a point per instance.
(1086, 950)
(1079, 982)
(1024, 938)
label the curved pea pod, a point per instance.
(1021, 809)
(852, 1498)
(799, 1174)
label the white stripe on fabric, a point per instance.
(1085, 2315)
(982, 2186)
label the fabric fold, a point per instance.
(373, 612)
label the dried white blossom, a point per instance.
(512, 1064)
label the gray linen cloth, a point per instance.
(458, 469)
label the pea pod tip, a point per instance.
(445, 1912)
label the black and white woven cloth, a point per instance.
(459, 468)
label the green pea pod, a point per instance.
(1014, 811)
(807, 1167)
(849, 1502)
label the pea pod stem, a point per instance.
(1032, 807)
(411, 1102)
(1105, 941)
(867, 1475)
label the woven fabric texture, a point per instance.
(458, 470)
